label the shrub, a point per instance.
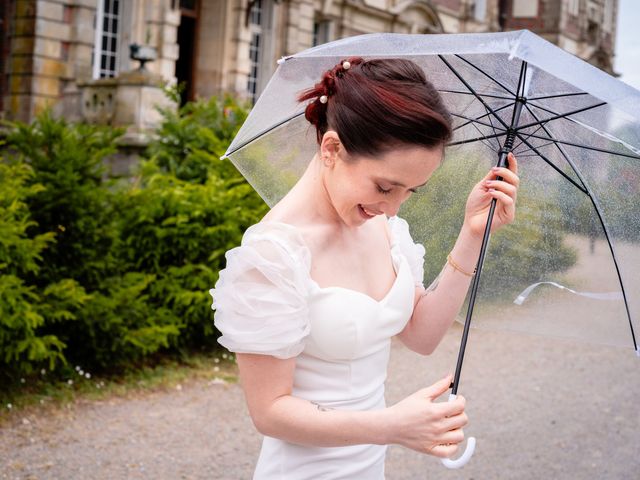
(103, 274)
(24, 308)
(519, 254)
(76, 203)
(186, 210)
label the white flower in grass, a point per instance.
(70, 382)
(87, 375)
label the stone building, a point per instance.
(74, 54)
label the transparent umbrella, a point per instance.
(569, 263)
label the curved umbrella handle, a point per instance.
(468, 452)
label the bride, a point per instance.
(310, 300)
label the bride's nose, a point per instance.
(391, 208)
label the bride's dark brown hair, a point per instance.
(377, 105)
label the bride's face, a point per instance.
(361, 188)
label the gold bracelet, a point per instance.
(459, 268)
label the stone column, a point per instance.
(158, 25)
(237, 61)
(36, 63)
(76, 53)
(212, 46)
(299, 27)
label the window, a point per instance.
(607, 24)
(480, 10)
(261, 63)
(525, 8)
(255, 27)
(322, 32)
(573, 7)
(106, 45)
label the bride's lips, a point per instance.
(366, 213)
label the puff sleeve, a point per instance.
(414, 252)
(261, 297)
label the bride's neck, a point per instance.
(311, 196)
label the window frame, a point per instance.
(100, 51)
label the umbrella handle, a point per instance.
(468, 452)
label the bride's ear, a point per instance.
(329, 147)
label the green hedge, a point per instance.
(101, 272)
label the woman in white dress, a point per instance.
(310, 300)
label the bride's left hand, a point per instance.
(505, 191)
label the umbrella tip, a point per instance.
(224, 157)
(281, 60)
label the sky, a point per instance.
(627, 57)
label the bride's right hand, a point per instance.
(421, 424)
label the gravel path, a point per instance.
(540, 408)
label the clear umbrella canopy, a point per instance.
(569, 266)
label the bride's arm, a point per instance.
(436, 308)
(417, 422)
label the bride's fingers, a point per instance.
(502, 197)
(444, 451)
(505, 187)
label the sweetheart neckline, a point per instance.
(317, 287)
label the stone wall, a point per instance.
(52, 41)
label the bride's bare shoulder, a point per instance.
(282, 213)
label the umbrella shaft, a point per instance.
(502, 162)
(472, 299)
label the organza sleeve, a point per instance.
(414, 252)
(261, 296)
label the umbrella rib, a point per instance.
(529, 134)
(478, 118)
(483, 94)
(264, 132)
(586, 147)
(485, 74)
(561, 115)
(473, 120)
(493, 128)
(559, 95)
(484, 141)
(552, 165)
(476, 139)
(579, 144)
(551, 142)
(596, 206)
(466, 84)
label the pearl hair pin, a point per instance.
(323, 99)
(346, 65)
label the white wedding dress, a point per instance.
(267, 303)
